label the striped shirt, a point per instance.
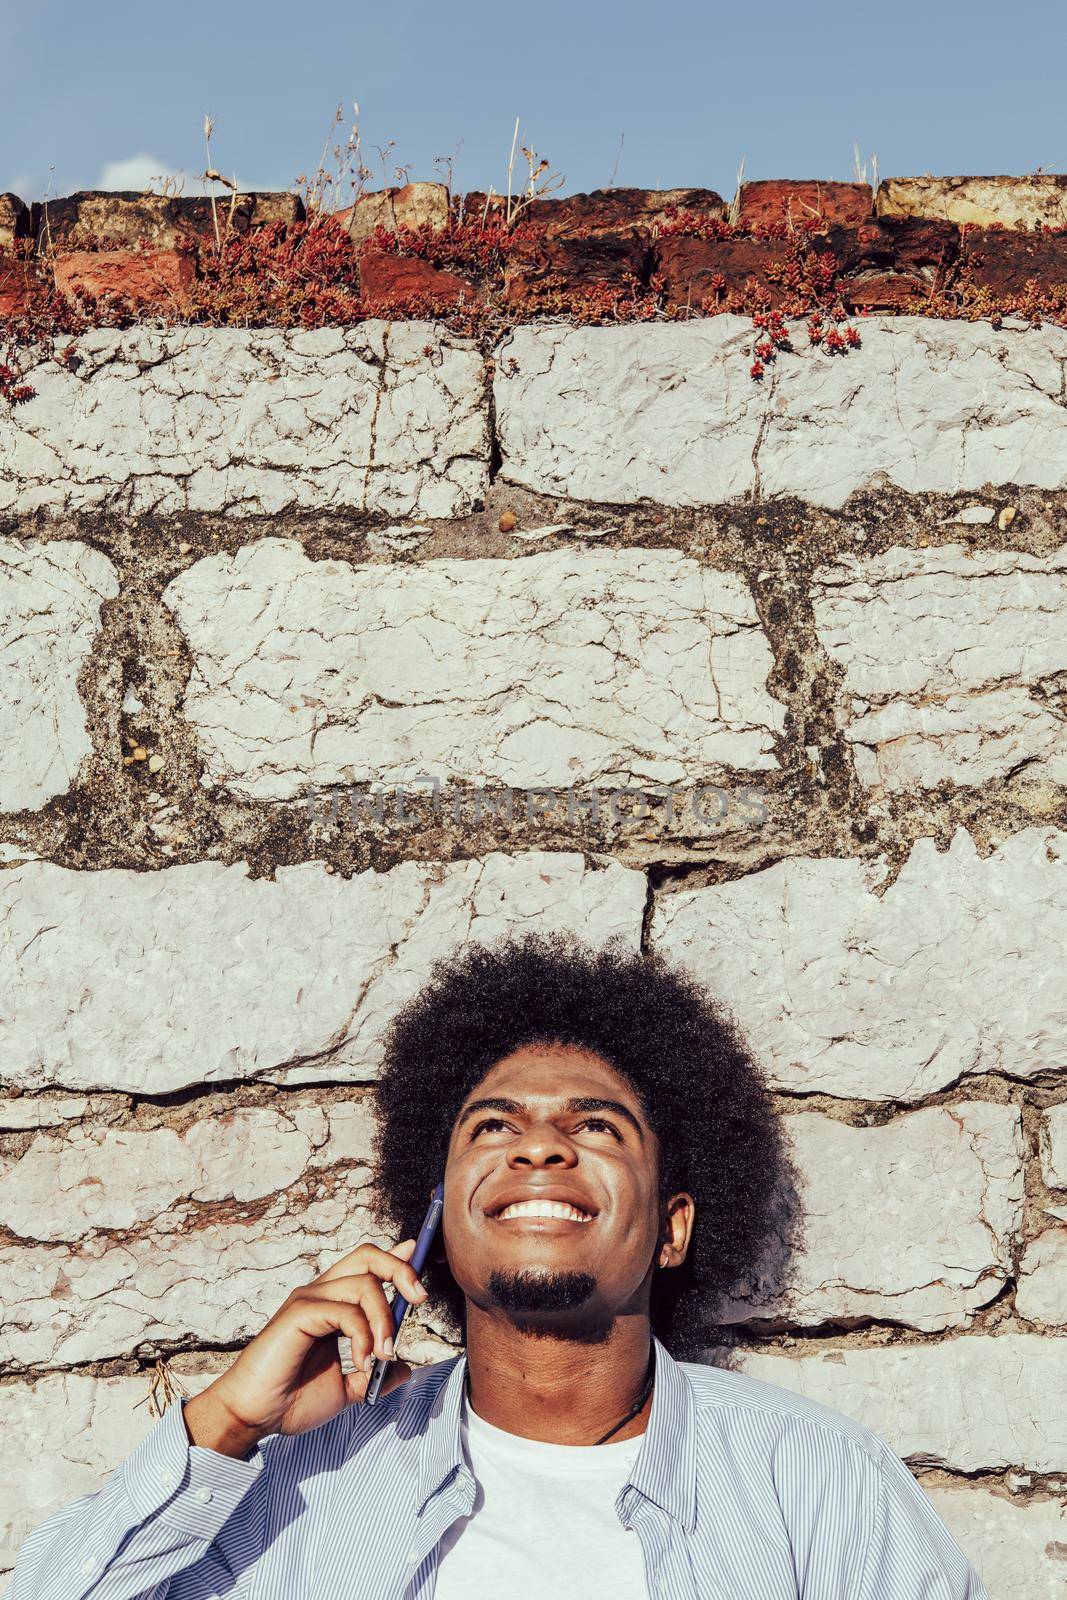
(739, 1488)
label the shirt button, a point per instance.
(203, 1495)
(412, 1555)
(166, 1479)
(88, 1565)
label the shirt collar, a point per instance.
(665, 1469)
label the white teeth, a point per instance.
(544, 1208)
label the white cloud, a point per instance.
(141, 172)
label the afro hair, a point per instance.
(701, 1090)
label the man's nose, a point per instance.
(542, 1145)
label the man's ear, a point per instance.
(677, 1230)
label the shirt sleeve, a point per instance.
(912, 1555)
(157, 1514)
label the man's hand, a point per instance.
(289, 1378)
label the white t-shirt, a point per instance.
(543, 1521)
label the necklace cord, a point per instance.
(645, 1392)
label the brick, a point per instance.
(113, 220)
(50, 599)
(148, 279)
(692, 266)
(776, 200)
(603, 210)
(392, 285)
(598, 667)
(950, 660)
(971, 1404)
(937, 1246)
(415, 205)
(1040, 199)
(600, 413)
(888, 990)
(376, 417)
(538, 271)
(1004, 261)
(14, 221)
(887, 262)
(295, 977)
(20, 285)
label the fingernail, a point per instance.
(387, 1349)
(420, 1288)
(368, 1364)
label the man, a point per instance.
(611, 1160)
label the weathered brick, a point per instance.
(293, 979)
(541, 270)
(376, 417)
(14, 221)
(114, 220)
(952, 662)
(603, 210)
(888, 993)
(415, 205)
(50, 599)
(1026, 202)
(701, 273)
(798, 200)
(564, 667)
(1005, 261)
(937, 1246)
(146, 278)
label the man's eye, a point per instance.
(598, 1122)
(488, 1122)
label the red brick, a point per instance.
(538, 270)
(1003, 261)
(882, 291)
(388, 283)
(18, 285)
(603, 210)
(688, 266)
(775, 200)
(146, 278)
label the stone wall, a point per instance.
(329, 650)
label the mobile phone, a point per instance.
(400, 1305)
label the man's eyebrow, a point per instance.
(587, 1102)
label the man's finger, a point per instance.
(356, 1261)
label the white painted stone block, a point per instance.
(150, 981)
(386, 417)
(50, 598)
(951, 661)
(565, 667)
(668, 412)
(1054, 1146)
(844, 985)
(969, 1404)
(1042, 1291)
(909, 1222)
(1018, 1547)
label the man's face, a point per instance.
(563, 1131)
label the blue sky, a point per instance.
(658, 96)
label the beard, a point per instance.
(531, 1289)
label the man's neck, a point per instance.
(559, 1390)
